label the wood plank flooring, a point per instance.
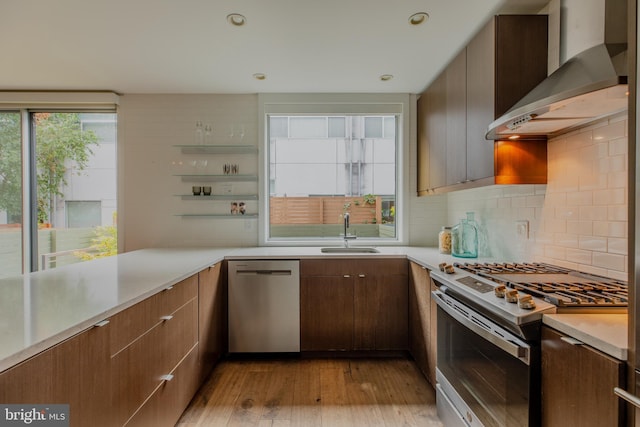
(314, 392)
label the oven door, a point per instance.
(483, 371)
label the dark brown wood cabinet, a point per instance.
(578, 382)
(482, 82)
(74, 372)
(141, 367)
(348, 304)
(168, 331)
(326, 313)
(212, 317)
(432, 148)
(422, 321)
(381, 305)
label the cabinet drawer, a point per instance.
(130, 324)
(138, 368)
(340, 267)
(381, 266)
(176, 296)
(170, 399)
(326, 267)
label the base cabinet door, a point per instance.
(326, 313)
(422, 322)
(381, 307)
(578, 383)
(74, 372)
(348, 304)
(212, 315)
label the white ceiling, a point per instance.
(187, 46)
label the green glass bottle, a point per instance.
(464, 238)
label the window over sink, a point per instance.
(326, 158)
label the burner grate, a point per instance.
(559, 286)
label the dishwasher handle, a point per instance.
(263, 272)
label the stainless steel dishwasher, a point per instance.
(264, 306)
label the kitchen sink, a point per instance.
(352, 250)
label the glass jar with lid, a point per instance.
(444, 240)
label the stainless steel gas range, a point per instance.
(489, 323)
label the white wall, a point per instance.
(148, 128)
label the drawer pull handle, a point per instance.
(362, 275)
(571, 341)
(101, 324)
(346, 276)
(168, 288)
(167, 377)
(166, 317)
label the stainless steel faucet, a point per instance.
(347, 236)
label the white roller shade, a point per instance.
(58, 100)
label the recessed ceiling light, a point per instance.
(418, 18)
(259, 76)
(514, 137)
(236, 19)
(386, 77)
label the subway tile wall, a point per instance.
(578, 220)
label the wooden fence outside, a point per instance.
(324, 210)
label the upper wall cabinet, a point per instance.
(502, 63)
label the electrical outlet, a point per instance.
(522, 229)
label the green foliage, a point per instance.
(10, 164)
(61, 144)
(104, 244)
(369, 199)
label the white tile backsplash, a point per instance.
(578, 220)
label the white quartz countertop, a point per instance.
(39, 310)
(604, 332)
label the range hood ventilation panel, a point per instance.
(589, 86)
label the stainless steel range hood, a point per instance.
(589, 86)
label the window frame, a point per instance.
(331, 105)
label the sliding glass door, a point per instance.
(70, 207)
(11, 237)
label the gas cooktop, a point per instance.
(517, 294)
(564, 288)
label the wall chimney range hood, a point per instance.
(589, 86)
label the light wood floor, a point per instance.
(319, 392)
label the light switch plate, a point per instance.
(522, 229)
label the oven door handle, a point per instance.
(624, 394)
(484, 327)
